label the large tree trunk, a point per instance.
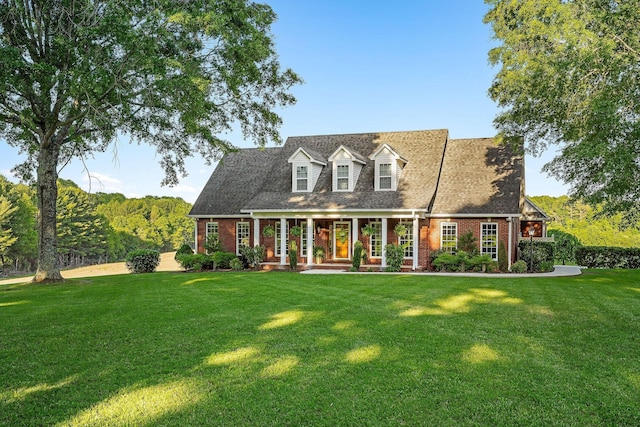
(47, 183)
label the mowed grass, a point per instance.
(284, 349)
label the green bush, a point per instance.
(142, 261)
(185, 249)
(395, 257)
(503, 262)
(293, 255)
(519, 267)
(608, 257)
(546, 266)
(223, 259)
(252, 257)
(446, 261)
(542, 252)
(195, 262)
(482, 263)
(236, 264)
(358, 255)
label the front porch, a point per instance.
(334, 239)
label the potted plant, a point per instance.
(318, 254)
(268, 231)
(368, 230)
(296, 231)
(400, 230)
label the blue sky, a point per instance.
(368, 66)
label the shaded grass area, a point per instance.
(280, 349)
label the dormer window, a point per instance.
(302, 178)
(384, 176)
(342, 177)
(306, 166)
(347, 166)
(388, 167)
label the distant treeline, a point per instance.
(92, 228)
(586, 223)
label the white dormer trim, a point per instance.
(346, 168)
(388, 167)
(305, 170)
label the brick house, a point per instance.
(322, 191)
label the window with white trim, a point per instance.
(449, 236)
(342, 177)
(489, 239)
(376, 240)
(384, 175)
(278, 239)
(242, 235)
(406, 240)
(302, 178)
(211, 232)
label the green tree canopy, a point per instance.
(569, 75)
(74, 74)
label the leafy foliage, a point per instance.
(358, 255)
(467, 242)
(503, 263)
(195, 262)
(223, 259)
(174, 75)
(293, 255)
(543, 253)
(143, 261)
(566, 245)
(253, 256)
(588, 224)
(608, 257)
(519, 267)
(569, 75)
(395, 257)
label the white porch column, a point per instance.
(384, 242)
(416, 241)
(354, 232)
(256, 232)
(283, 241)
(309, 241)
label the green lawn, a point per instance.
(283, 349)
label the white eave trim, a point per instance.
(475, 215)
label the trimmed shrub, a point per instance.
(446, 262)
(252, 257)
(482, 263)
(236, 264)
(542, 251)
(503, 263)
(195, 262)
(608, 257)
(185, 249)
(223, 259)
(395, 257)
(519, 267)
(142, 261)
(566, 245)
(293, 255)
(358, 255)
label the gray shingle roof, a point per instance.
(477, 177)
(480, 177)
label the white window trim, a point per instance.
(248, 236)
(482, 252)
(296, 179)
(349, 178)
(379, 177)
(378, 226)
(408, 238)
(442, 226)
(278, 253)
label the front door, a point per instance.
(342, 240)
